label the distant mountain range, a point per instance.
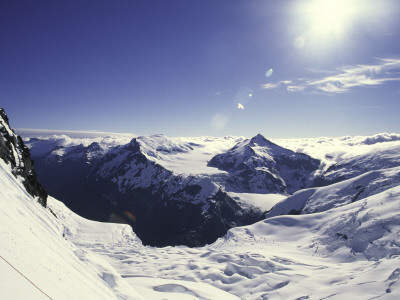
(181, 191)
(169, 207)
(332, 233)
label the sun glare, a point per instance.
(330, 16)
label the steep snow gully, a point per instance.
(337, 241)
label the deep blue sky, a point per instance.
(181, 67)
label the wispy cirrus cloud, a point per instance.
(271, 86)
(345, 78)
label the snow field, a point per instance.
(31, 241)
(117, 243)
(347, 249)
(286, 257)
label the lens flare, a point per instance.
(114, 218)
(130, 215)
(243, 96)
(219, 121)
(269, 73)
(299, 42)
(125, 218)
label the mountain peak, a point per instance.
(260, 140)
(3, 115)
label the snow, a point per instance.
(42, 258)
(190, 155)
(32, 242)
(286, 257)
(343, 248)
(62, 143)
(264, 201)
(338, 194)
(182, 155)
(169, 289)
(13, 286)
(332, 150)
(186, 156)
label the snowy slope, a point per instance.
(349, 252)
(338, 194)
(387, 155)
(361, 168)
(97, 237)
(37, 261)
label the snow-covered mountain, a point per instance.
(192, 190)
(131, 183)
(383, 157)
(343, 245)
(259, 166)
(352, 178)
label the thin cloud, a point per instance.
(296, 88)
(344, 79)
(270, 86)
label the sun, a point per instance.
(328, 17)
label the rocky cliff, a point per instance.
(14, 152)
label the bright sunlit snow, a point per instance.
(349, 249)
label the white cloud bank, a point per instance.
(46, 133)
(345, 78)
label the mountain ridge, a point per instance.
(14, 152)
(258, 165)
(168, 208)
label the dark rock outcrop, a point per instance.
(14, 152)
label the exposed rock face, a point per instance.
(14, 152)
(128, 184)
(260, 166)
(122, 184)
